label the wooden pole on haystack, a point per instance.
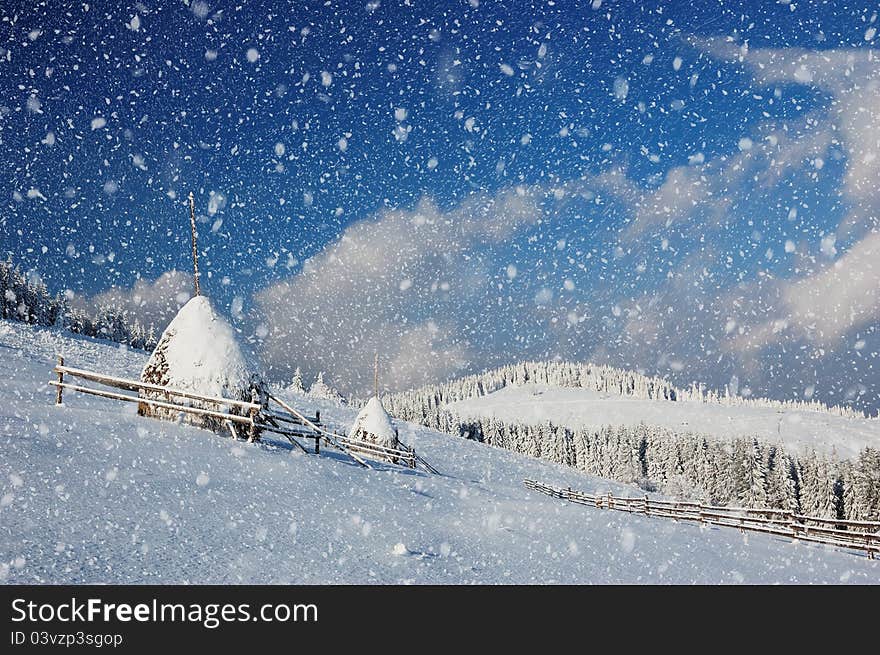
(195, 251)
(376, 375)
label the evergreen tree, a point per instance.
(811, 489)
(782, 486)
(866, 485)
(830, 490)
(321, 389)
(854, 506)
(296, 383)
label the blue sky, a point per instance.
(682, 176)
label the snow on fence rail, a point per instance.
(219, 410)
(404, 455)
(253, 416)
(368, 448)
(857, 535)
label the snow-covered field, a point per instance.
(799, 429)
(90, 492)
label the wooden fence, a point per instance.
(857, 535)
(218, 408)
(256, 418)
(404, 455)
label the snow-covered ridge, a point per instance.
(91, 492)
(799, 429)
(814, 462)
(601, 379)
(24, 298)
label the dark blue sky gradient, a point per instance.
(212, 125)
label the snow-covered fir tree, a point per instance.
(296, 382)
(755, 488)
(782, 482)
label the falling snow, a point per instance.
(685, 190)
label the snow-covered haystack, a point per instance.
(373, 424)
(198, 352)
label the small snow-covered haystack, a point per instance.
(373, 424)
(198, 352)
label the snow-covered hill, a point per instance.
(91, 492)
(798, 429)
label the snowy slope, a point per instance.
(799, 429)
(91, 492)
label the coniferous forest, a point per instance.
(25, 298)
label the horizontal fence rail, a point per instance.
(235, 418)
(137, 385)
(857, 535)
(369, 448)
(318, 431)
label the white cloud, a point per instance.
(152, 302)
(348, 301)
(823, 308)
(852, 76)
(702, 192)
(683, 190)
(418, 285)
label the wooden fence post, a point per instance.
(317, 417)
(647, 513)
(318, 444)
(252, 432)
(60, 381)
